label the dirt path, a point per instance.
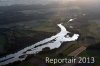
(77, 51)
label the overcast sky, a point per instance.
(12, 2)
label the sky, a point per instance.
(13, 2)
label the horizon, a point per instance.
(44, 2)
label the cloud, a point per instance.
(12, 2)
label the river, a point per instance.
(53, 42)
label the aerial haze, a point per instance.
(28, 23)
(13, 2)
